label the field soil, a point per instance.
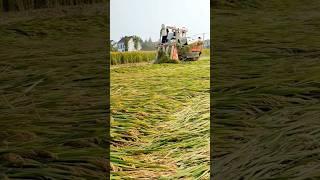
(160, 121)
(53, 94)
(266, 86)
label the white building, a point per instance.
(130, 46)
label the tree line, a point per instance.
(146, 45)
(21, 5)
(149, 45)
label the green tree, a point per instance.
(148, 45)
(113, 47)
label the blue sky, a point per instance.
(144, 17)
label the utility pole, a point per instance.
(203, 40)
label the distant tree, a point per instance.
(148, 45)
(113, 47)
(137, 40)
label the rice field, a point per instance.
(160, 120)
(52, 102)
(266, 91)
(205, 52)
(139, 56)
(132, 57)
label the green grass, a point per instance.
(160, 121)
(266, 91)
(52, 102)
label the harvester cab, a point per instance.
(175, 46)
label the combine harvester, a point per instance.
(175, 46)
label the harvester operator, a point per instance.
(164, 34)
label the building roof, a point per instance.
(122, 40)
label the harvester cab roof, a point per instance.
(183, 29)
(172, 33)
